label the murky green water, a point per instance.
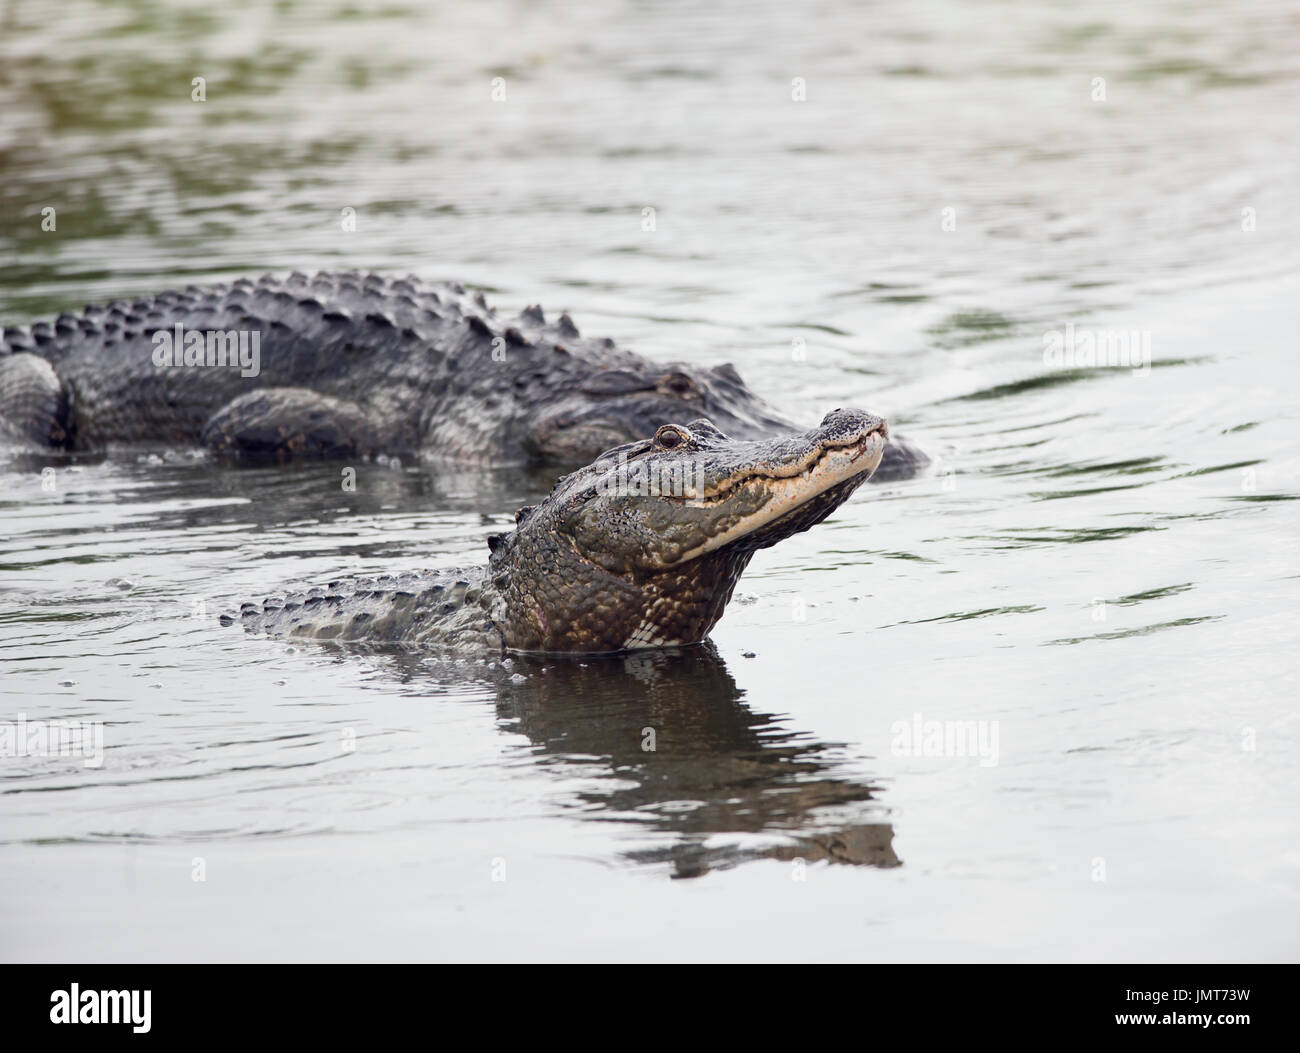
(1100, 573)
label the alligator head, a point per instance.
(609, 407)
(643, 547)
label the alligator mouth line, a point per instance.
(844, 454)
(833, 467)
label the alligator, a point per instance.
(351, 365)
(639, 549)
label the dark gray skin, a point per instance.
(639, 549)
(353, 365)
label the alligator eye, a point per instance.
(678, 384)
(670, 436)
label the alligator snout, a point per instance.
(850, 425)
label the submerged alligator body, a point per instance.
(347, 365)
(641, 548)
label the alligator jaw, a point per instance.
(840, 469)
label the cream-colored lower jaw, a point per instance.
(832, 468)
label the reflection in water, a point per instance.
(681, 754)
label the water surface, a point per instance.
(1100, 571)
